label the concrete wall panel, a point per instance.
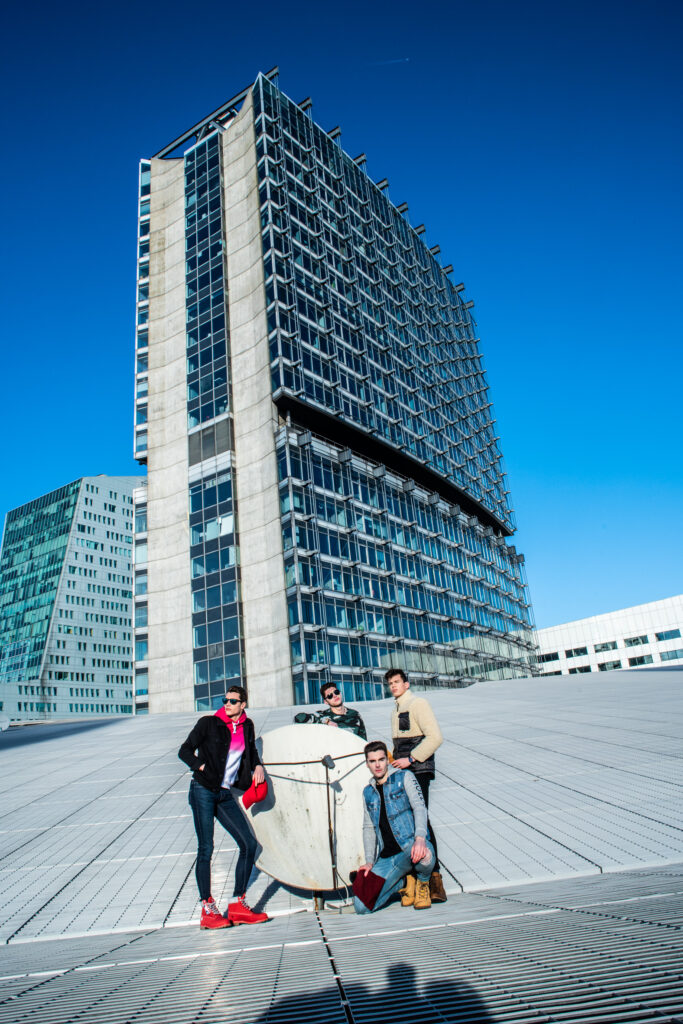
(264, 605)
(169, 598)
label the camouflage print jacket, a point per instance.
(349, 720)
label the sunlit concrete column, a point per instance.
(264, 605)
(169, 596)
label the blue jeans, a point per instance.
(393, 870)
(206, 806)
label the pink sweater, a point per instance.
(236, 746)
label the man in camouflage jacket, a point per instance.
(334, 713)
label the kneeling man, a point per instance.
(394, 835)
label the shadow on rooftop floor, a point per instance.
(400, 999)
(38, 732)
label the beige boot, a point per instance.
(436, 889)
(422, 898)
(407, 893)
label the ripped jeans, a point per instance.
(393, 870)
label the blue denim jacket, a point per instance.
(406, 812)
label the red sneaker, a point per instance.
(211, 916)
(240, 913)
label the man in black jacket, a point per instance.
(222, 752)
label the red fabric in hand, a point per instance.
(257, 792)
(367, 888)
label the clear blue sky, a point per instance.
(539, 142)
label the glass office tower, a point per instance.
(326, 496)
(65, 602)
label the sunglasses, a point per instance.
(332, 693)
(231, 700)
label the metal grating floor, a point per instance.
(609, 948)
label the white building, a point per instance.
(646, 634)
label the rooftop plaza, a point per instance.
(559, 816)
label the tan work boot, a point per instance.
(407, 893)
(436, 889)
(422, 898)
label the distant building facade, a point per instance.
(644, 635)
(326, 494)
(66, 577)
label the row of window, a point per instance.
(101, 709)
(142, 310)
(635, 662)
(99, 648)
(611, 645)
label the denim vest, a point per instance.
(399, 811)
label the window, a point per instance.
(671, 655)
(668, 634)
(635, 641)
(544, 674)
(608, 666)
(610, 645)
(642, 659)
(581, 668)
(576, 652)
(141, 650)
(549, 657)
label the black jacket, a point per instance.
(211, 739)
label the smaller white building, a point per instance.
(646, 634)
(66, 590)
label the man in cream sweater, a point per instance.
(416, 735)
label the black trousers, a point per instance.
(423, 780)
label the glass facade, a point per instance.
(365, 325)
(33, 551)
(65, 602)
(380, 572)
(216, 631)
(363, 321)
(214, 570)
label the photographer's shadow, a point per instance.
(400, 1000)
